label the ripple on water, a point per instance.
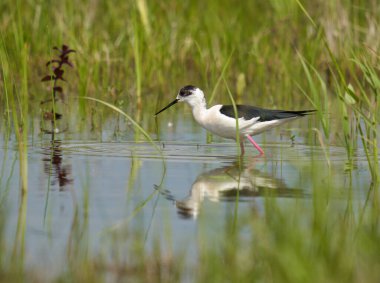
(199, 151)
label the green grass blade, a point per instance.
(129, 118)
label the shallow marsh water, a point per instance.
(119, 188)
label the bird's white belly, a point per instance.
(225, 126)
(260, 127)
(223, 130)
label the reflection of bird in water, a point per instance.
(225, 184)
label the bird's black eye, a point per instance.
(187, 90)
(185, 93)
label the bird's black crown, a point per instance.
(187, 90)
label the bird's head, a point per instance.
(192, 95)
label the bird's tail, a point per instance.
(284, 114)
(302, 112)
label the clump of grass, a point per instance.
(356, 110)
(367, 113)
(14, 73)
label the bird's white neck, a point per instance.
(199, 108)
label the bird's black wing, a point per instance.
(248, 112)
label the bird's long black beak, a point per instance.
(170, 104)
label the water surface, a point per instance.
(175, 196)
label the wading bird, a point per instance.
(220, 119)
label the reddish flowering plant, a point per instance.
(57, 71)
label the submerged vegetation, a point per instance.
(131, 56)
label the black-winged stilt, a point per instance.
(220, 119)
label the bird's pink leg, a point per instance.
(255, 144)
